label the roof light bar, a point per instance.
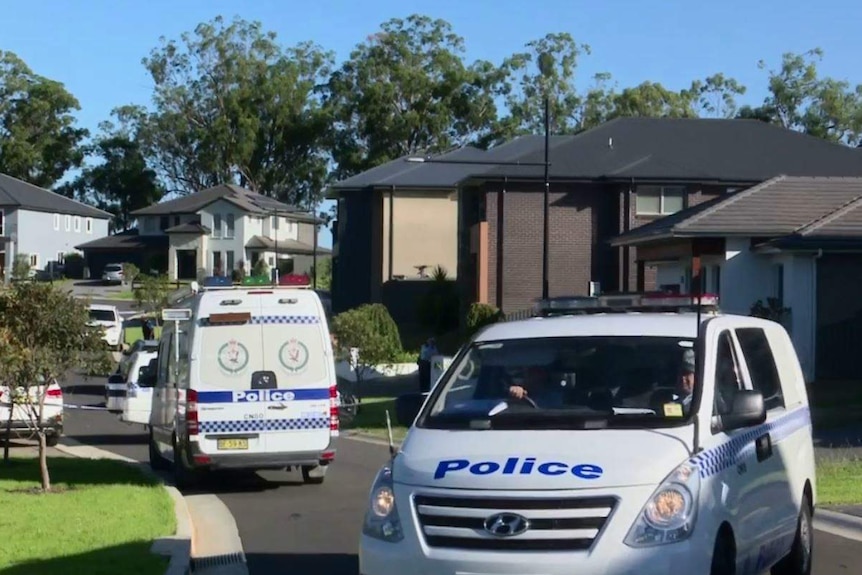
(644, 302)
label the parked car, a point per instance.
(138, 403)
(109, 318)
(112, 274)
(22, 422)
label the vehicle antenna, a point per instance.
(389, 432)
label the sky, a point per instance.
(95, 47)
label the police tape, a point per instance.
(84, 407)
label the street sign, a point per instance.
(176, 314)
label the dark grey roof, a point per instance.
(188, 228)
(777, 207)
(16, 193)
(691, 149)
(285, 246)
(126, 241)
(402, 173)
(244, 199)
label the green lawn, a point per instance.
(101, 519)
(839, 481)
(135, 332)
(371, 418)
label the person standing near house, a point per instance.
(426, 353)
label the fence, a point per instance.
(518, 315)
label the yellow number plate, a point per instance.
(233, 443)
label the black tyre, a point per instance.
(723, 555)
(52, 440)
(313, 474)
(157, 462)
(798, 561)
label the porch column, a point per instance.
(641, 279)
(172, 263)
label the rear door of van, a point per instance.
(295, 339)
(139, 394)
(231, 357)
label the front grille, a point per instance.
(555, 524)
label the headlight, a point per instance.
(381, 518)
(671, 511)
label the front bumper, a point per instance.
(112, 339)
(608, 555)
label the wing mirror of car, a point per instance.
(748, 410)
(116, 378)
(407, 407)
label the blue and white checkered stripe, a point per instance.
(718, 458)
(258, 425)
(308, 319)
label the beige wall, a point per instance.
(425, 232)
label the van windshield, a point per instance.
(565, 382)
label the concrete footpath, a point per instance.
(217, 551)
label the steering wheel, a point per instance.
(526, 399)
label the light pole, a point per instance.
(546, 65)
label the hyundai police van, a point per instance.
(630, 434)
(247, 382)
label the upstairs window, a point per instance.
(229, 231)
(659, 200)
(216, 225)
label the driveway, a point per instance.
(290, 529)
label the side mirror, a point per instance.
(749, 409)
(116, 378)
(407, 407)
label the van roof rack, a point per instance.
(627, 302)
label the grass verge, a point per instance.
(100, 520)
(371, 418)
(839, 481)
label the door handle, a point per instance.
(763, 447)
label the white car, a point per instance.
(137, 401)
(23, 418)
(112, 274)
(108, 317)
(608, 436)
(248, 382)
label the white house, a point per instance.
(42, 225)
(795, 239)
(215, 231)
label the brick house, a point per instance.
(605, 182)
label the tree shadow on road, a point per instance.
(226, 482)
(102, 439)
(128, 559)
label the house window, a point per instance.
(164, 223)
(779, 283)
(216, 225)
(56, 221)
(34, 261)
(659, 200)
(61, 258)
(89, 225)
(68, 221)
(230, 261)
(230, 226)
(217, 262)
(77, 223)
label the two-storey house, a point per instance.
(214, 232)
(42, 225)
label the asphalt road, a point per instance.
(291, 529)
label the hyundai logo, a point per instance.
(506, 524)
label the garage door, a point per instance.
(839, 316)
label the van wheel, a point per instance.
(723, 555)
(52, 440)
(798, 561)
(313, 474)
(184, 478)
(157, 462)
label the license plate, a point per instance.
(233, 443)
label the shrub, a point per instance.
(481, 314)
(372, 330)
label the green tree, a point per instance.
(800, 99)
(39, 141)
(43, 335)
(153, 294)
(121, 182)
(371, 331)
(21, 267)
(406, 90)
(232, 106)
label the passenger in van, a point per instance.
(537, 386)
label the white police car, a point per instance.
(248, 383)
(584, 441)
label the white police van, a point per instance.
(248, 382)
(660, 439)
